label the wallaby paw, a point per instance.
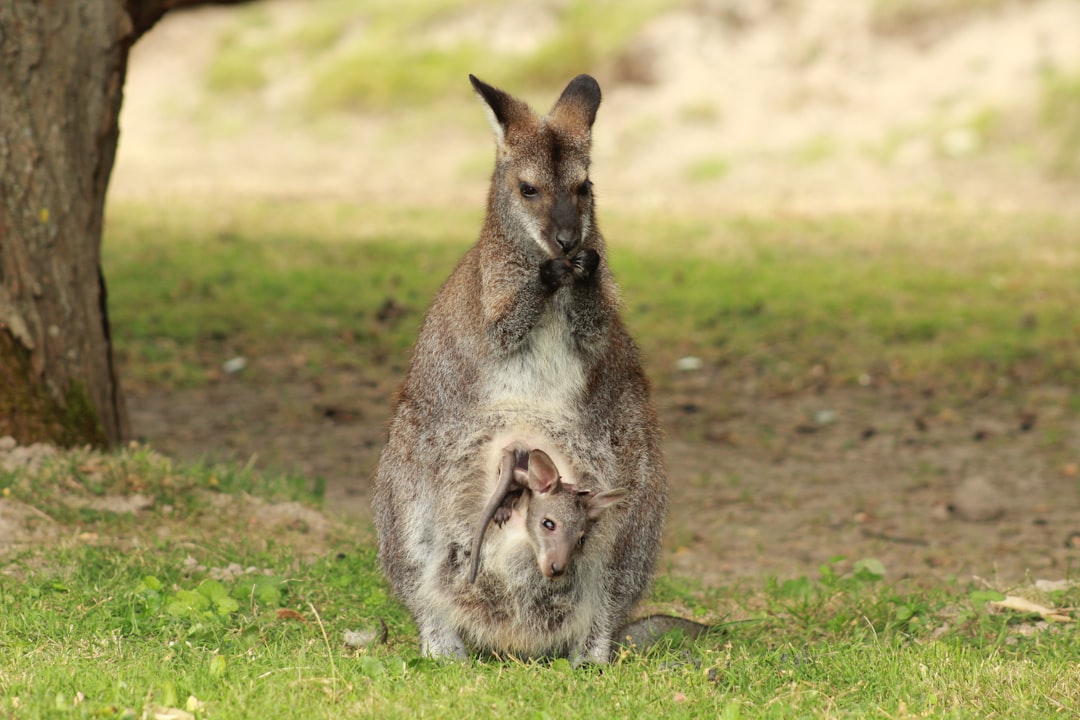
(502, 514)
(584, 264)
(555, 271)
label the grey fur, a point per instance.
(523, 344)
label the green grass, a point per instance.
(191, 289)
(901, 298)
(180, 606)
(964, 304)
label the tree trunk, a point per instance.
(62, 68)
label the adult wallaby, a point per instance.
(523, 344)
(557, 514)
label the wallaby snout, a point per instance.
(567, 221)
(553, 569)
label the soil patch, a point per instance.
(759, 486)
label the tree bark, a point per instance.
(62, 69)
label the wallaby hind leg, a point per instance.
(438, 640)
(512, 473)
(596, 650)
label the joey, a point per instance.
(557, 514)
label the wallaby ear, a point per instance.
(503, 109)
(595, 505)
(576, 107)
(543, 475)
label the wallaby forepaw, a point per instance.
(554, 271)
(585, 263)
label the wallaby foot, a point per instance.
(596, 652)
(441, 642)
(504, 511)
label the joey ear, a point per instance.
(543, 475)
(503, 109)
(576, 107)
(595, 505)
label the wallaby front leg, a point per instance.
(511, 316)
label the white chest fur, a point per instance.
(546, 373)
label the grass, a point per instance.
(330, 284)
(194, 603)
(963, 304)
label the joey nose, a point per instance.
(555, 570)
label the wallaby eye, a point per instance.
(585, 188)
(548, 524)
(581, 541)
(528, 190)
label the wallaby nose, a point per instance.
(567, 239)
(555, 570)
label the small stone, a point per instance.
(977, 500)
(234, 365)
(689, 364)
(366, 637)
(825, 417)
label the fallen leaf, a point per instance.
(1023, 605)
(290, 614)
(366, 636)
(1048, 586)
(167, 713)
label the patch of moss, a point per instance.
(81, 422)
(30, 414)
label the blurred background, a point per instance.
(846, 233)
(724, 105)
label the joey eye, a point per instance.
(528, 190)
(585, 188)
(548, 524)
(581, 541)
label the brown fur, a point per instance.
(523, 343)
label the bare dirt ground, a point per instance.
(773, 486)
(788, 102)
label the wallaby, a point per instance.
(523, 344)
(557, 514)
